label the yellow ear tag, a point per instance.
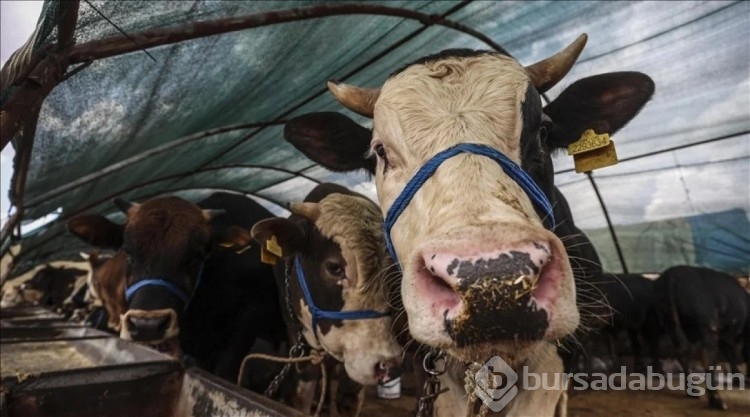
(592, 151)
(588, 141)
(267, 257)
(273, 246)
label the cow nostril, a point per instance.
(439, 282)
(438, 291)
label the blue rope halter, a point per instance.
(159, 282)
(318, 313)
(514, 171)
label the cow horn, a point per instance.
(211, 214)
(356, 99)
(125, 205)
(310, 211)
(548, 72)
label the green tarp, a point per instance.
(121, 108)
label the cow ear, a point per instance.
(289, 236)
(604, 103)
(97, 230)
(332, 140)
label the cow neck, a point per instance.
(515, 172)
(318, 313)
(172, 288)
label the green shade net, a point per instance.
(119, 109)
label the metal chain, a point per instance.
(431, 389)
(297, 350)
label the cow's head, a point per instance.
(163, 245)
(481, 274)
(339, 242)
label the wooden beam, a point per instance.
(118, 45)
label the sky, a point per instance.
(17, 22)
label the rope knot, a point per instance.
(317, 357)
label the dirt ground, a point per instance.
(664, 403)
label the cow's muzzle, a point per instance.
(492, 296)
(149, 326)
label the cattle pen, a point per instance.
(193, 190)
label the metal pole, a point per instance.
(609, 222)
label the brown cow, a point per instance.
(185, 279)
(106, 282)
(163, 237)
(482, 275)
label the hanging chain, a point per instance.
(297, 350)
(431, 389)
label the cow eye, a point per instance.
(382, 154)
(335, 269)
(544, 128)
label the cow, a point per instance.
(186, 279)
(707, 309)
(49, 287)
(461, 153)
(333, 258)
(106, 286)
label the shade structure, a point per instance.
(207, 114)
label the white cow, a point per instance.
(461, 152)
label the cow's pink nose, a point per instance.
(461, 269)
(483, 290)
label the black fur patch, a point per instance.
(504, 266)
(493, 308)
(496, 323)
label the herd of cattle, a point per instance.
(471, 250)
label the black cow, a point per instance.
(704, 308)
(190, 271)
(49, 287)
(630, 308)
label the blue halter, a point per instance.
(514, 171)
(318, 313)
(158, 282)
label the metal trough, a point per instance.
(61, 371)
